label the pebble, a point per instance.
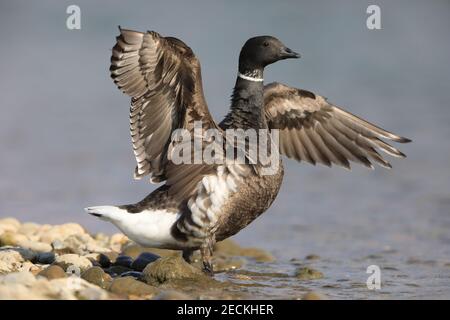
(27, 254)
(24, 286)
(30, 267)
(10, 238)
(23, 277)
(133, 250)
(143, 260)
(53, 272)
(68, 260)
(93, 257)
(36, 246)
(10, 260)
(45, 258)
(100, 236)
(82, 244)
(231, 248)
(117, 241)
(170, 268)
(11, 224)
(40, 260)
(222, 264)
(312, 257)
(29, 229)
(306, 273)
(104, 260)
(59, 246)
(124, 261)
(115, 271)
(130, 286)
(97, 276)
(61, 232)
(71, 288)
(111, 255)
(134, 274)
(172, 295)
(312, 295)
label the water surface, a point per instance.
(64, 140)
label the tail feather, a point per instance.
(103, 212)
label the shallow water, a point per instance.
(64, 140)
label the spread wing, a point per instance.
(315, 131)
(162, 77)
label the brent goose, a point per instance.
(200, 204)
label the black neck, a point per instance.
(247, 102)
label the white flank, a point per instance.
(147, 228)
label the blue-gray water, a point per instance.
(64, 140)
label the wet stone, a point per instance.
(312, 257)
(53, 272)
(170, 268)
(97, 276)
(312, 295)
(306, 273)
(130, 286)
(227, 264)
(231, 248)
(124, 261)
(172, 295)
(143, 260)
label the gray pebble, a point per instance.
(58, 245)
(45, 258)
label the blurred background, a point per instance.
(65, 145)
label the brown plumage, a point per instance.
(315, 131)
(162, 76)
(214, 201)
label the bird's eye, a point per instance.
(265, 44)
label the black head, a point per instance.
(258, 52)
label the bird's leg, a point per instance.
(206, 251)
(188, 255)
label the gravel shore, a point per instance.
(66, 262)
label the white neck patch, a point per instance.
(249, 78)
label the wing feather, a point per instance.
(315, 131)
(162, 76)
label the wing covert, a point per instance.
(315, 131)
